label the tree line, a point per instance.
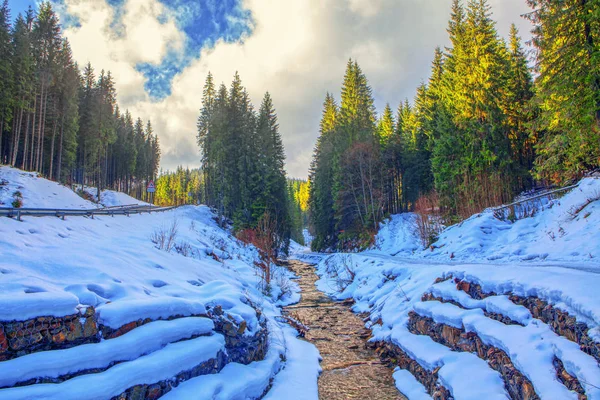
(183, 186)
(187, 186)
(61, 121)
(479, 131)
(243, 161)
(298, 191)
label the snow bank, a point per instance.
(565, 229)
(37, 192)
(397, 235)
(144, 340)
(159, 365)
(111, 198)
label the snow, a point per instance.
(296, 379)
(37, 192)
(397, 235)
(482, 382)
(409, 386)
(447, 290)
(111, 198)
(55, 267)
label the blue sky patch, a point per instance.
(203, 22)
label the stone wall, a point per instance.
(516, 384)
(158, 389)
(396, 357)
(495, 316)
(241, 348)
(559, 321)
(18, 338)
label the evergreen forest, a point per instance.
(489, 123)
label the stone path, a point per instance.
(351, 370)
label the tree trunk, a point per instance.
(60, 148)
(25, 145)
(52, 149)
(1, 134)
(43, 132)
(39, 133)
(17, 139)
(33, 133)
(99, 175)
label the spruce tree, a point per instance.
(567, 37)
(6, 80)
(321, 179)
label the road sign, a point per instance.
(151, 188)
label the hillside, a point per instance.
(561, 229)
(96, 308)
(37, 192)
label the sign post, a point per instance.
(151, 189)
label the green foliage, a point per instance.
(567, 37)
(298, 191)
(346, 195)
(183, 186)
(243, 159)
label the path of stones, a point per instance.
(350, 369)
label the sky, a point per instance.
(160, 51)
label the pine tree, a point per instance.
(386, 125)
(321, 179)
(68, 113)
(56, 121)
(6, 79)
(243, 160)
(518, 111)
(567, 37)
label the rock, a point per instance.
(242, 328)
(59, 338)
(3, 340)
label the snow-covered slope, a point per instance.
(53, 267)
(565, 229)
(397, 235)
(37, 192)
(111, 198)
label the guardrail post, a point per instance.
(18, 215)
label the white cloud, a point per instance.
(297, 51)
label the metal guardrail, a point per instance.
(529, 206)
(62, 213)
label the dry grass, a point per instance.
(165, 236)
